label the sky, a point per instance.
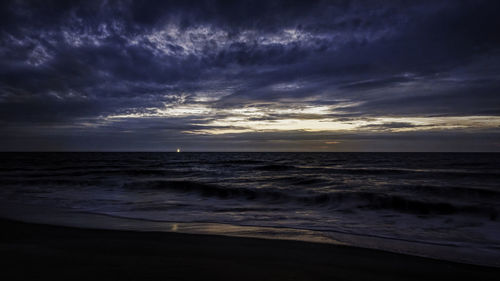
(249, 75)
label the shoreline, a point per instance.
(58, 252)
(74, 218)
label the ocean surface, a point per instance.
(440, 200)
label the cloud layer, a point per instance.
(250, 75)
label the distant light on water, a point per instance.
(178, 150)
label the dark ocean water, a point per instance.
(434, 198)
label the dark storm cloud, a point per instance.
(70, 66)
(390, 125)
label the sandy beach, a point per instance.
(36, 251)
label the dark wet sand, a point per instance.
(41, 252)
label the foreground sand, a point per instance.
(41, 252)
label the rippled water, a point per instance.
(446, 199)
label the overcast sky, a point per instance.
(250, 75)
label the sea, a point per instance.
(438, 205)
